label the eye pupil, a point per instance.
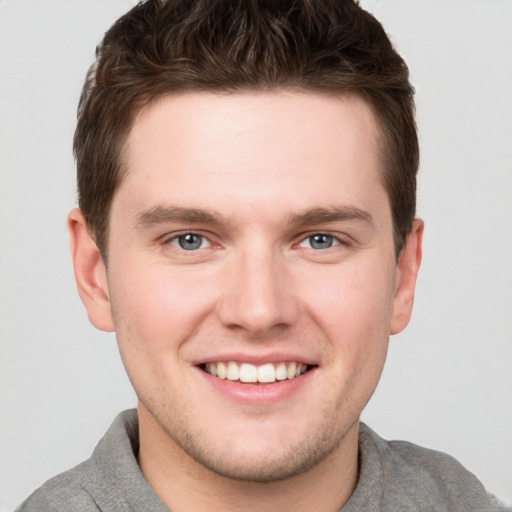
(321, 241)
(190, 241)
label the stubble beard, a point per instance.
(290, 461)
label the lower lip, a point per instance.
(263, 394)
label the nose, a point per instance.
(258, 296)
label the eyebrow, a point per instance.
(330, 214)
(167, 214)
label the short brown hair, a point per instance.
(164, 47)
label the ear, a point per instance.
(90, 272)
(407, 271)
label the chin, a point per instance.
(260, 458)
(266, 469)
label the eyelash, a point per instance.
(336, 240)
(176, 236)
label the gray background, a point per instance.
(448, 380)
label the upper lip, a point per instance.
(257, 359)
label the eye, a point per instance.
(319, 241)
(189, 241)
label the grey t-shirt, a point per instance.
(393, 476)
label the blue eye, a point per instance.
(319, 241)
(189, 241)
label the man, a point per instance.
(246, 177)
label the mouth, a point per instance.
(256, 374)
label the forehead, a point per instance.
(321, 119)
(283, 148)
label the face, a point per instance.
(252, 281)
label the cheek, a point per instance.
(152, 313)
(354, 303)
(354, 311)
(355, 315)
(155, 300)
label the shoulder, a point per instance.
(404, 476)
(101, 482)
(62, 492)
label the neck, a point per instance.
(184, 485)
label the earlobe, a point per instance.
(407, 272)
(90, 272)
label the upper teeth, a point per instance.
(246, 372)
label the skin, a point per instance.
(268, 171)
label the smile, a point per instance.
(247, 372)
